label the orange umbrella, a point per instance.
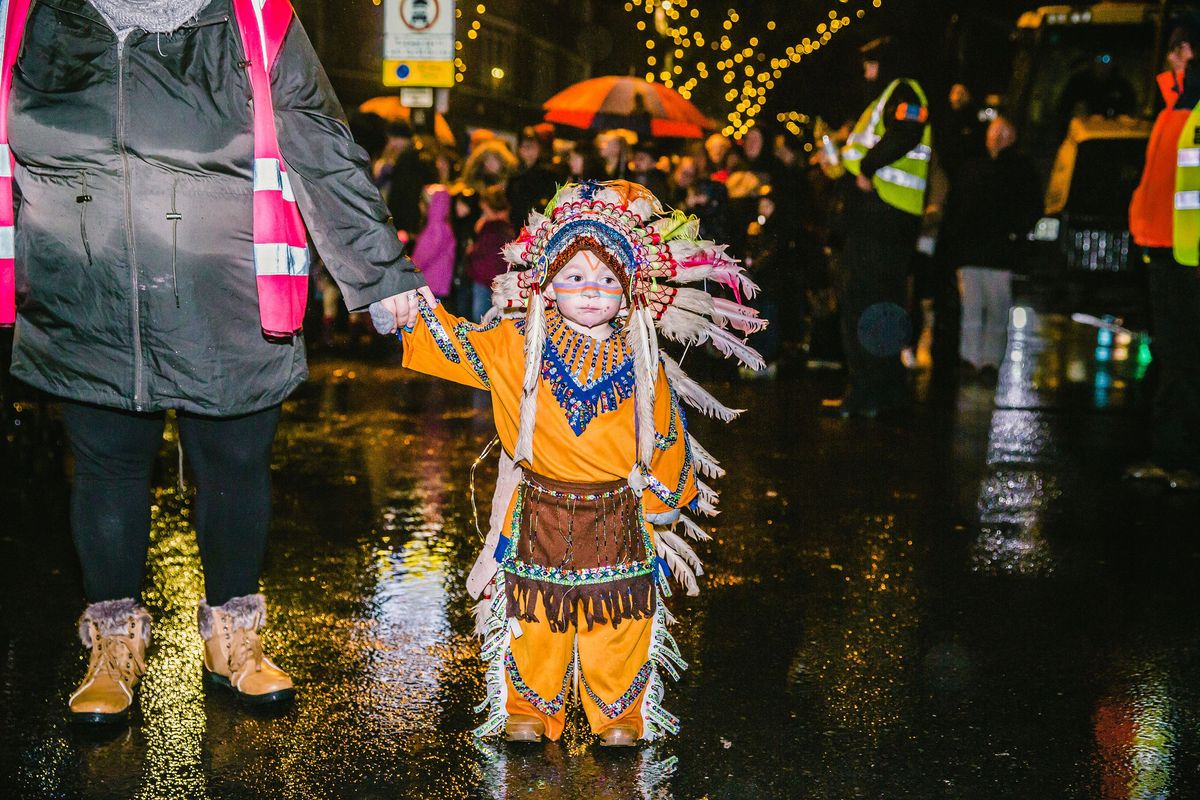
(616, 101)
(390, 108)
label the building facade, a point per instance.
(512, 54)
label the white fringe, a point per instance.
(657, 722)
(496, 642)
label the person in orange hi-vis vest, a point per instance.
(1164, 218)
(598, 462)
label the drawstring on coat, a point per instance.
(174, 216)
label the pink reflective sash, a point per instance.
(280, 241)
(12, 30)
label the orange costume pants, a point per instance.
(614, 669)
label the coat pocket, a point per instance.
(70, 181)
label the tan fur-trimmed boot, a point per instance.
(233, 655)
(118, 632)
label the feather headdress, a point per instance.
(665, 270)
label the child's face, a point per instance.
(587, 292)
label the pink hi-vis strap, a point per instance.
(12, 20)
(280, 241)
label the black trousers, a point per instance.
(880, 241)
(115, 453)
(1175, 318)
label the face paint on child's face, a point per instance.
(587, 292)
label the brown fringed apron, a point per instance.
(580, 546)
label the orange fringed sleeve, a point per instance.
(672, 473)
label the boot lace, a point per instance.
(245, 651)
(117, 657)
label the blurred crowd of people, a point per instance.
(760, 194)
(770, 195)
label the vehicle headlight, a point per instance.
(1046, 229)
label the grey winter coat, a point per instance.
(117, 304)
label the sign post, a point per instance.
(418, 43)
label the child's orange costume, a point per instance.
(579, 565)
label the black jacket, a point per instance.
(989, 211)
(157, 124)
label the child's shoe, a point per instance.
(619, 736)
(524, 728)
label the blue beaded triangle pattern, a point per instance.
(602, 375)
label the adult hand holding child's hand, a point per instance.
(399, 310)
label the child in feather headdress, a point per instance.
(597, 460)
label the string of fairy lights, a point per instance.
(678, 51)
(471, 31)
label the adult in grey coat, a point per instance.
(131, 124)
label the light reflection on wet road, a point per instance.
(966, 605)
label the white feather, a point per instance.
(737, 316)
(680, 570)
(535, 339)
(683, 249)
(731, 345)
(696, 395)
(704, 461)
(506, 291)
(681, 326)
(514, 253)
(681, 547)
(644, 343)
(707, 493)
(693, 530)
(696, 301)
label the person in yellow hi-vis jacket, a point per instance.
(886, 158)
(1164, 219)
(588, 412)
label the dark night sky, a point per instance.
(819, 82)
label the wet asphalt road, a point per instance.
(966, 604)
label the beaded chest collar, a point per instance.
(587, 376)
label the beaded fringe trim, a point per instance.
(497, 639)
(657, 722)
